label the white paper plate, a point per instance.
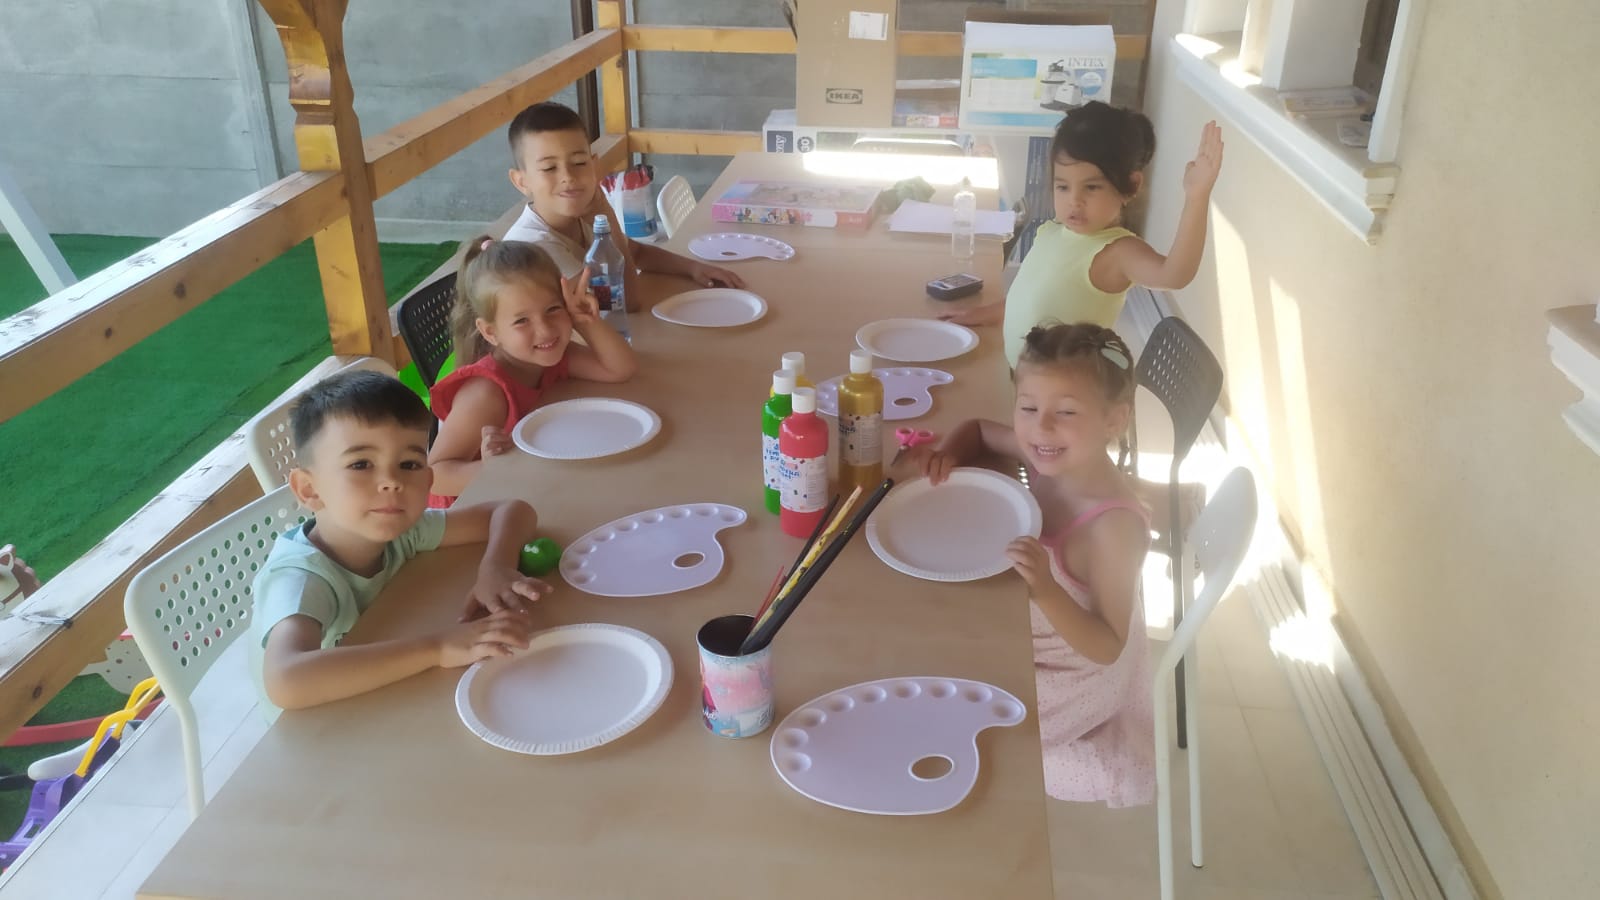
(575, 687)
(586, 428)
(732, 245)
(957, 531)
(916, 340)
(711, 308)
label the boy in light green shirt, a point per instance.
(362, 471)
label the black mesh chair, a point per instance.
(1178, 369)
(425, 326)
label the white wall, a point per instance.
(1405, 398)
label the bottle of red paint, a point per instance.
(803, 465)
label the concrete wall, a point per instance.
(406, 60)
(130, 116)
(133, 116)
(122, 116)
(1404, 399)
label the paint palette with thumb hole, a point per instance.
(658, 551)
(907, 392)
(894, 747)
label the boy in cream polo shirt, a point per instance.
(553, 167)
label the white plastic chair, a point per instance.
(185, 608)
(267, 438)
(1218, 539)
(674, 203)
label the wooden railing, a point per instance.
(43, 349)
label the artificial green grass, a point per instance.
(85, 459)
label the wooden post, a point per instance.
(614, 74)
(328, 138)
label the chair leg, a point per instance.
(1191, 721)
(191, 754)
(1179, 580)
(1163, 793)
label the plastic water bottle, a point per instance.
(606, 278)
(963, 222)
(777, 409)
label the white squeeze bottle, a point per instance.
(860, 426)
(795, 362)
(963, 222)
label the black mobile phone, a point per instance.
(954, 287)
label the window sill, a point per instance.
(1350, 185)
(1575, 350)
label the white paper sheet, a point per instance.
(935, 218)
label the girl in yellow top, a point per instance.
(1083, 262)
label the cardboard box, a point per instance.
(781, 134)
(1024, 77)
(845, 206)
(845, 62)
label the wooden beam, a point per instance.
(418, 144)
(613, 151)
(614, 73)
(694, 143)
(63, 337)
(37, 660)
(694, 39)
(327, 135)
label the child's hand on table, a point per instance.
(502, 589)
(935, 464)
(581, 302)
(495, 442)
(987, 314)
(1031, 561)
(714, 276)
(498, 634)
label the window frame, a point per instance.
(1240, 65)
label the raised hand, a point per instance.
(1201, 173)
(579, 300)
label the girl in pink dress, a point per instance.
(1091, 657)
(512, 326)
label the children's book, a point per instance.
(847, 206)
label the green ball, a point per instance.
(540, 557)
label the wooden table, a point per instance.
(389, 795)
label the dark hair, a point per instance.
(1119, 141)
(1085, 347)
(487, 267)
(371, 398)
(539, 118)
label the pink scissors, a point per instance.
(911, 437)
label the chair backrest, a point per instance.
(674, 203)
(425, 326)
(267, 438)
(185, 608)
(1184, 376)
(1219, 537)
